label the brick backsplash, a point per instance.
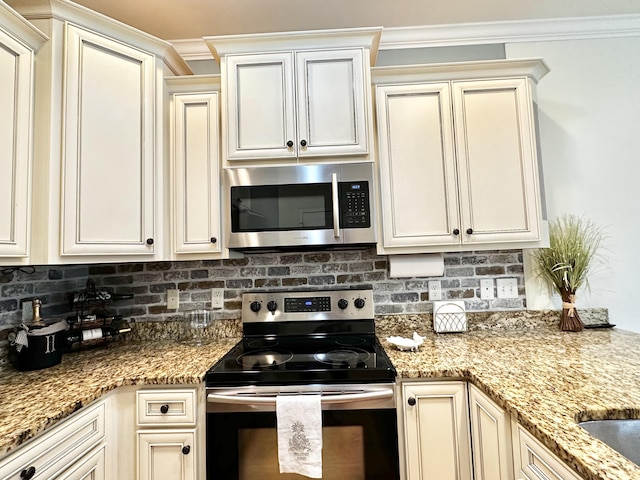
(304, 270)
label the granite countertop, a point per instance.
(546, 379)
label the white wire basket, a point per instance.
(449, 316)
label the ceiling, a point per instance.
(192, 19)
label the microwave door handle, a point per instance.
(336, 205)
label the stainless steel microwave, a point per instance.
(300, 205)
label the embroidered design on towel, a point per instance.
(299, 444)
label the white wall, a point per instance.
(589, 107)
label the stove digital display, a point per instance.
(306, 305)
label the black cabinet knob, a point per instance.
(342, 304)
(149, 241)
(469, 231)
(255, 306)
(164, 408)
(411, 401)
(289, 144)
(456, 231)
(186, 450)
(303, 143)
(214, 240)
(28, 473)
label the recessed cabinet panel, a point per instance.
(331, 103)
(15, 145)
(196, 189)
(109, 147)
(496, 160)
(167, 455)
(260, 103)
(417, 174)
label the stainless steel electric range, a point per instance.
(297, 343)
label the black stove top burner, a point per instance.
(263, 359)
(346, 358)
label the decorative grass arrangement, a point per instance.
(565, 265)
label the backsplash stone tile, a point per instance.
(358, 268)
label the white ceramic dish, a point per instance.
(407, 344)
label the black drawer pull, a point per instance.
(164, 408)
(28, 473)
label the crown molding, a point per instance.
(520, 31)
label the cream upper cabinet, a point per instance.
(436, 431)
(490, 438)
(99, 144)
(459, 168)
(194, 173)
(109, 160)
(296, 96)
(18, 43)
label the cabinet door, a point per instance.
(495, 142)
(490, 437)
(260, 106)
(16, 93)
(109, 155)
(167, 455)
(417, 165)
(195, 173)
(437, 431)
(331, 104)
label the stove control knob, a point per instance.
(359, 302)
(255, 306)
(342, 304)
(272, 306)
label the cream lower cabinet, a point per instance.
(167, 437)
(436, 431)
(194, 173)
(19, 42)
(295, 95)
(77, 448)
(490, 438)
(459, 167)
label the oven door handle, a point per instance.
(324, 400)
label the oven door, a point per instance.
(299, 206)
(360, 440)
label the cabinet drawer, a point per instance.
(166, 407)
(533, 461)
(50, 453)
(92, 467)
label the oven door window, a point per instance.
(357, 445)
(281, 207)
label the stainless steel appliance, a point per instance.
(297, 343)
(300, 205)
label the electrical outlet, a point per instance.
(173, 299)
(217, 298)
(486, 289)
(27, 311)
(507, 287)
(435, 290)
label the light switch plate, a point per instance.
(173, 299)
(507, 287)
(27, 311)
(486, 289)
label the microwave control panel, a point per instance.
(355, 210)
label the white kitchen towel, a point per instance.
(299, 425)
